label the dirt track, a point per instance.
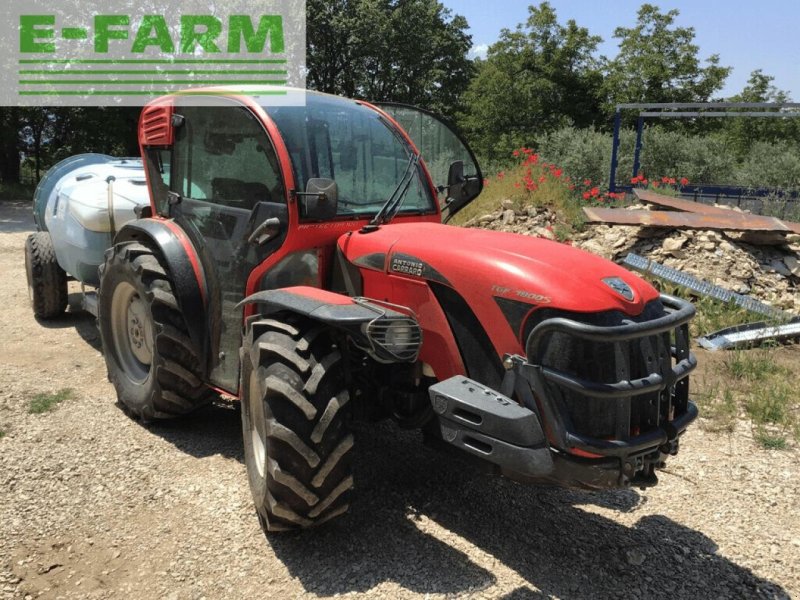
(93, 504)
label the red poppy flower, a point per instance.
(588, 182)
(595, 191)
(684, 181)
(586, 195)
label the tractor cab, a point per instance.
(263, 192)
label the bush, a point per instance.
(770, 165)
(586, 154)
(701, 159)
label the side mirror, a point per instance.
(320, 200)
(455, 181)
(455, 174)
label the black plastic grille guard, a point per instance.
(679, 314)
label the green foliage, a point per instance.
(16, 192)
(770, 165)
(411, 51)
(586, 153)
(771, 403)
(42, 403)
(658, 62)
(719, 409)
(701, 159)
(770, 441)
(743, 133)
(754, 365)
(530, 184)
(713, 315)
(541, 76)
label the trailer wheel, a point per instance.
(294, 420)
(47, 281)
(149, 356)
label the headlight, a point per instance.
(401, 338)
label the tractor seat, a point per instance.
(238, 193)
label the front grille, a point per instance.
(568, 355)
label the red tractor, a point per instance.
(295, 257)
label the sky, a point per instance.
(747, 35)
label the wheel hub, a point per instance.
(132, 330)
(141, 346)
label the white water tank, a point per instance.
(85, 208)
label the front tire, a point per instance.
(149, 356)
(295, 424)
(47, 281)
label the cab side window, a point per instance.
(223, 156)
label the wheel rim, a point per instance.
(258, 434)
(132, 330)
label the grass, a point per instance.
(46, 402)
(532, 183)
(771, 442)
(2, 434)
(755, 383)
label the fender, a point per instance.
(185, 271)
(386, 334)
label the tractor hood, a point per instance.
(483, 265)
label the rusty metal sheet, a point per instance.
(732, 221)
(795, 227)
(697, 207)
(680, 204)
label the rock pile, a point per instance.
(765, 266)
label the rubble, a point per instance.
(768, 270)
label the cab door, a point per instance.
(452, 164)
(225, 182)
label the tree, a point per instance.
(10, 144)
(535, 79)
(411, 51)
(742, 133)
(658, 62)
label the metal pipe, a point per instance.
(612, 177)
(637, 151)
(110, 181)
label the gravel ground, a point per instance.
(95, 505)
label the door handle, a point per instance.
(265, 232)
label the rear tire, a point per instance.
(149, 356)
(295, 424)
(47, 281)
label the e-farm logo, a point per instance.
(110, 54)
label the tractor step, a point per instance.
(89, 302)
(491, 426)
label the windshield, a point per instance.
(333, 138)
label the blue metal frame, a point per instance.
(666, 110)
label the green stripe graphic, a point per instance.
(147, 93)
(153, 61)
(151, 72)
(148, 81)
